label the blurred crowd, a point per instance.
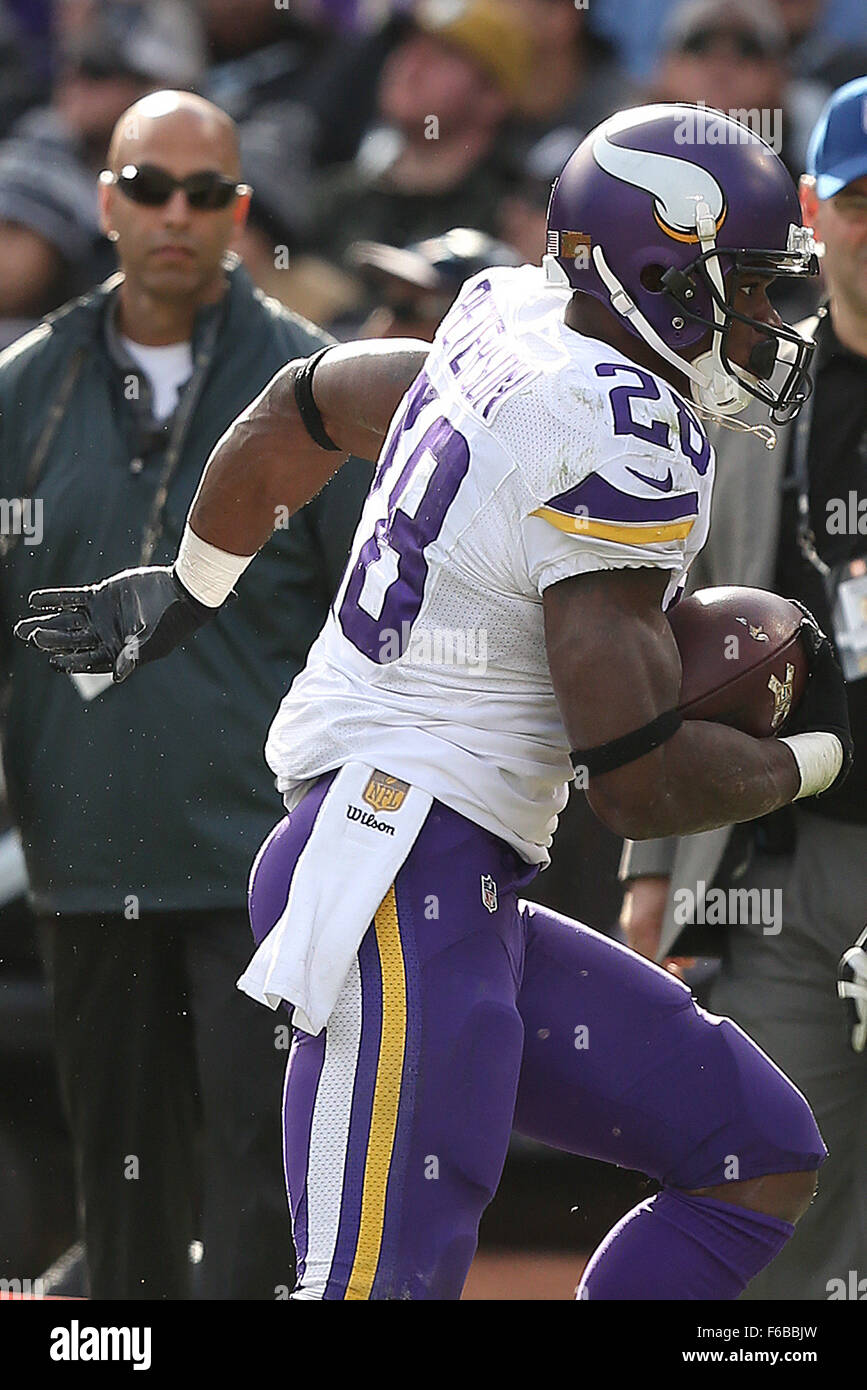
(370, 127)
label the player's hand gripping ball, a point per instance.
(746, 660)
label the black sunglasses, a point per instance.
(206, 191)
(745, 44)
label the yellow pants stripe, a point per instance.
(386, 1100)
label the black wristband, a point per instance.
(307, 407)
(605, 757)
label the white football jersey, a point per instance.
(523, 454)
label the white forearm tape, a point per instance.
(819, 757)
(208, 573)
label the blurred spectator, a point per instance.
(415, 286)
(576, 79)
(259, 55)
(24, 59)
(48, 228)
(122, 52)
(431, 159)
(731, 54)
(265, 77)
(522, 212)
(577, 83)
(112, 52)
(360, 16)
(812, 53)
(343, 94)
(233, 30)
(276, 147)
(635, 27)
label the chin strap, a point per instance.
(767, 435)
(726, 393)
(716, 391)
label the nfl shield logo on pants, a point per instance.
(489, 893)
(384, 793)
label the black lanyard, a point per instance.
(39, 457)
(180, 428)
(798, 476)
(799, 481)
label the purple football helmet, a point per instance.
(655, 213)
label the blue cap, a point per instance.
(837, 152)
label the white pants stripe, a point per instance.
(329, 1136)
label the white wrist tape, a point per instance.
(819, 757)
(208, 573)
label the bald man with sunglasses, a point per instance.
(141, 808)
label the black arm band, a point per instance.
(605, 757)
(307, 407)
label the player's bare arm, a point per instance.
(277, 456)
(615, 668)
(268, 460)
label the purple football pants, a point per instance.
(469, 1013)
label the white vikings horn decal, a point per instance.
(678, 186)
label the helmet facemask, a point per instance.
(707, 271)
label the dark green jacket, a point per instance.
(157, 789)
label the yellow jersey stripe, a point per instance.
(638, 533)
(386, 1100)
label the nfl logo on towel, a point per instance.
(384, 793)
(489, 893)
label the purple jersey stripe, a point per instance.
(596, 497)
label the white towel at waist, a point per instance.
(344, 871)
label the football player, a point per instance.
(543, 482)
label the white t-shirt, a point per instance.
(167, 368)
(523, 454)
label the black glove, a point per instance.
(824, 705)
(132, 618)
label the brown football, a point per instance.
(743, 660)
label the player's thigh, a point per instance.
(621, 1064)
(398, 1114)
